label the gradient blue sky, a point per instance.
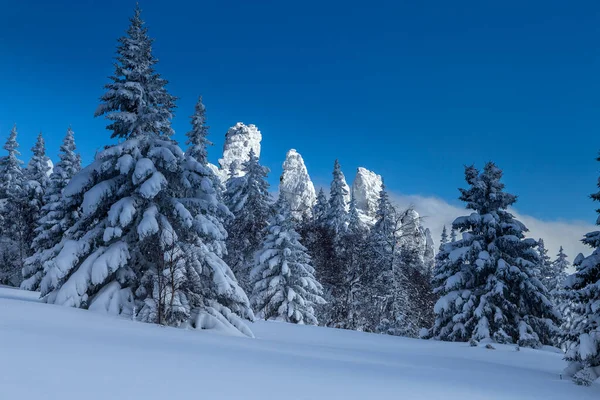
(411, 90)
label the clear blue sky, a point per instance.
(411, 89)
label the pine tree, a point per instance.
(443, 238)
(488, 286)
(36, 178)
(249, 200)
(149, 238)
(14, 207)
(56, 215)
(337, 213)
(318, 240)
(559, 267)
(583, 290)
(137, 100)
(283, 278)
(197, 137)
(545, 270)
(321, 208)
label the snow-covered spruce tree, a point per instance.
(283, 278)
(318, 239)
(331, 273)
(567, 306)
(337, 213)
(36, 182)
(149, 237)
(583, 289)
(56, 215)
(197, 141)
(14, 205)
(250, 202)
(443, 237)
(321, 208)
(343, 310)
(545, 270)
(382, 297)
(560, 266)
(488, 286)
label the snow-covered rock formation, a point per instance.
(365, 190)
(296, 187)
(239, 139)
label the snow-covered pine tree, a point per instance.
(321, 208)
(443, 237)
(337, 213)
(545, 270)
(383, 299)
(149, 237)
(250, 202)
(488, 286)
(14, 205)
(283, 278)
(36, 182)
(198, 137)
(560, 265)
(319, 241)
(343, 310)
(197, 141)
(56, 216)
(583, 290)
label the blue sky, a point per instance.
(411, 90)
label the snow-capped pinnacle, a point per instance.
(365, 190)
(239, 140)
(296, 187)
(50, 167)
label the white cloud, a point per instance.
(437, 213)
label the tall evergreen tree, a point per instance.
(198, 136)
(56, 216)
(559, 266)
(488, 286)
(444, 237)
(545, 270)
(321, 208)
(583, 290)
(283, 278)
(249, 200)
(337, 213)
(137, 101)
(149, 240)
(13, 246)
(36, 178)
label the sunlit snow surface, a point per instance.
(54, 352)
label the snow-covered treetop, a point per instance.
(365, 190)
(485, 193)
(197, 137)
(10, 167)
(296, 186)
(38, 166)
(337, 216)
(136, 100)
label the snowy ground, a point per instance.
(53, 352)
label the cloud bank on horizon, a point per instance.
(437, 212)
